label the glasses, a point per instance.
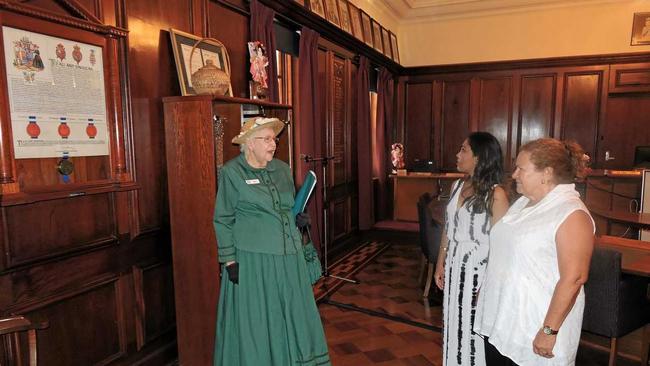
(267, 140)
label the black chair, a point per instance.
(430, 235)
(615, 303)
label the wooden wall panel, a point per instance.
(85, 327)
(537, 107)
(235, 38)
(625, 127)
(152, 76)
(340, 218)
(418, 123)
(495, 110)
(47, 228)
(455, 120)
(581, 109)
(154, 295)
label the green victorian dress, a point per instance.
(270, 317)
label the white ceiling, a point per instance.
(407, 11)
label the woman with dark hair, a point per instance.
(475, 205)
(532, 299)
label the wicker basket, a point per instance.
(210, 79)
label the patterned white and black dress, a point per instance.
(465, 264)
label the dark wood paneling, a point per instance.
(581, 109)
(152, 76)
(455, 120)
(630, 78)
(625, 127)
(154, 296)
(537, 107)
(52, 227)
(495, 110)
(418, 124)
(84, 327)
(235, 37)
(340, 214)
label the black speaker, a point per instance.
(642, 157)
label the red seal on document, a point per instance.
(33, 130)
(91, 130)
(64, 130)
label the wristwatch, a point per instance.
(548, 331)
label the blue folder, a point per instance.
(304, 193)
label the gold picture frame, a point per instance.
(355, 21)
(640, 29)
(182, 44)
(376, 36)
(367, 28)
(317, 7)
(393, 44)
(344, 16)
(385, 40)
(332, 11)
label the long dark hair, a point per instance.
(488, 170)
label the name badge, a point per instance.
(252, 181)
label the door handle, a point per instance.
(608, 156)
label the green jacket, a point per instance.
(253, 209)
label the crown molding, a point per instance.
(422, 11)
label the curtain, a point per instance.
(307, 126)
(364, 146)
(262, 29)
(385, 87)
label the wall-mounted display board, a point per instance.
(57, 98)
(62, 124)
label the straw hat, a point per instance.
(255, 124)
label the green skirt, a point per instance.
(270, 317)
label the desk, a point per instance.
(635, 254)
(407, 189)
(638, 220)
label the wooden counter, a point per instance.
(407, 189)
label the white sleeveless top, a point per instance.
(521, 277)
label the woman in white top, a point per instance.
(531, 303)
(475, 204)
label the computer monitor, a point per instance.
(642, 157)
(421, 165)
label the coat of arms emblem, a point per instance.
(60, 51)
(76, 54)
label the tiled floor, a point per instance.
(389, 286)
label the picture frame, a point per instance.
(640, 29)
(182, 44)
(367, 28)
(355, 21)
(331, 9)
(317, 7)
(344, 16)
(393, 44)
(376, 36)
(385, 40)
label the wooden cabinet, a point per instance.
(630, 78)
(198, 131)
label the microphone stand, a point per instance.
(324, 162)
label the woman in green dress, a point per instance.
(267, 313)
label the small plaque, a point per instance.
(65, 167)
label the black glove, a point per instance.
(303, 220)
(233, 272)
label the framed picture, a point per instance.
(376, 36)
(355, 21)
(367, 28)
(332, 11)
(393, 44)
(317, 7)
(187, 63)
(344, 15)
(385, 41)
(640, 29)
